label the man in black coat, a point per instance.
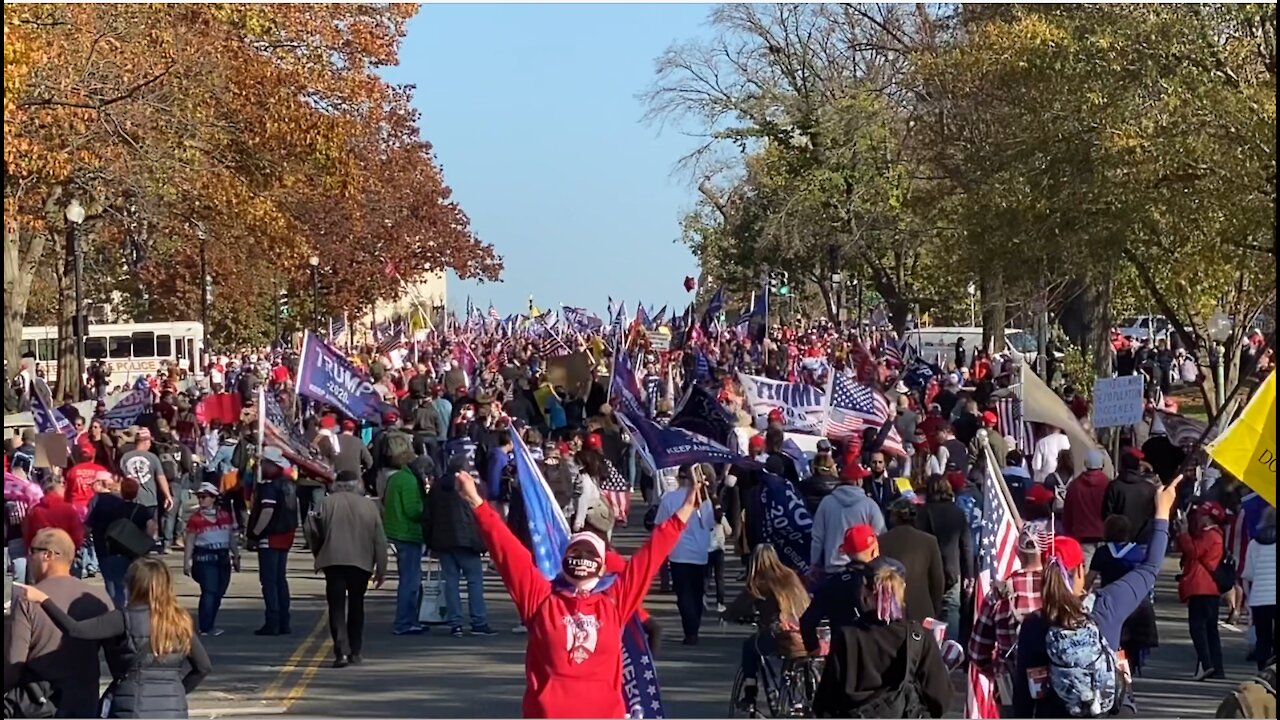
(919, 553)
(1132, 494)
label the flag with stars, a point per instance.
(997, 560)
(853, 406)
(549, 534)
(47, 417)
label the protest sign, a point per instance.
(1117, 402)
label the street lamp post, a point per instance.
(837, 297)
(75, 215)
(314, 262)
(206, 288)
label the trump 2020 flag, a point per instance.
(549, 533)
(788, 526)
(46, 416)
(324, 375)
(803, 406)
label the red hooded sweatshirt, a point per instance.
(1082, 507)
(573, 660)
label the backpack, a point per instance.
(1224, 576)
(904, 699)
(1254, 698)
(1083, 669)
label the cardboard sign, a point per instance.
(659, 341)
(1117, 402)
(51, 450)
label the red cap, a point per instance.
(1038, 494)
(857, 539)
(328, 422)
(990, 419)
(593, 442)
(390, 416)
(348, 424)
(1135, 453)
(564, 449)
(1066, 550)
(854, 471)
(1213, 510)
(756, 443)
(775, 415)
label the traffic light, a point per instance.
(779, 283)
(282, 301)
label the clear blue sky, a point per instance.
(533, 113)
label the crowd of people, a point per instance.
(892, 564)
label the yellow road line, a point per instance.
(304, 650)
(318, 656)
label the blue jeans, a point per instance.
(86, 559)
(409, 585)
(951, 611)
(114, 568)
(212, 571)
(273, 574)
(453, 565)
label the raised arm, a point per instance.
(633, 583)
(102, 627)
(519, 573)
(1126, 594)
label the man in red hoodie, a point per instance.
(53, 511)
(84, 477)
(573, 659)
(1082, 516)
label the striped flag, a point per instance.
(47, 417)
(996, 561)
(865, 368)
(1009, 411)
(852, 406)
(616, 492)
(553, 347)
(276, 431)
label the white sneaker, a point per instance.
(720, 607)
(216, 632)
(519, 630)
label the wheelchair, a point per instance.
(785, 687)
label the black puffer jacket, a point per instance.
(816, 487)
(450, 519)
(1132, 494)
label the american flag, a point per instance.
(1009, 412)
(865, 368)
(276, 431)
(337, 328)
(553, 347)
(493, 314)
(392, 339)
(854, 406)
(616, 491)
(996, 561)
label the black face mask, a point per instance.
(579, 567)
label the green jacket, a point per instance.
(402, 507)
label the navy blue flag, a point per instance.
(549, 533)
(713, 309)
(47, 417)
(673, 446)
(920, 373)
(701, 413)
(624, 387)
(325, 376)
(788, 526)
(126, 412)
(659, 316)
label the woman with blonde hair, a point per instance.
(156, 660)
(873, 663)
(775, 598)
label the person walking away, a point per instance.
(272, 524)
(573, 663)
(53, 511)
(144, 466)
(175, 460)
(1016, 478)
(919, 553)
(715, 556)
(109, 515)
(846, 506)
(402, 518)
(1066, 665)
(211, 554)
(456, 540)
(37, 651)
(1131, 494)
(352, 454)
(1203, 549)
(688, 559)
(838, 598)
(1044, 462)
(774, 599)
(350, 547)
(1260, 582)
(1113, 559)
(152, 650)
(1009, 601)
(942, 518)
(876, 664)
(1082, 506)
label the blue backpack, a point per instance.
(1083, 669)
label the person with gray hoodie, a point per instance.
(846, 506)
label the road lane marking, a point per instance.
(304, 650)
(318, 656)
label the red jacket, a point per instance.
(1082, 508)
(1201, 555)
(615, 563)
(80, 481)
(573, 659)
(53, 511)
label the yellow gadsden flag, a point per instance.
(1247, 449)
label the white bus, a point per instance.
(129, 349)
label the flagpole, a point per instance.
(262, 432)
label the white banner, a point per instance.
(801, 405)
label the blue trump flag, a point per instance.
(672, 447)
(702, 413)
(625, 387)
(126, 412)
(788, 526)
(47, 417)
(325, 376)
(549, 533)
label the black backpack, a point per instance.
(904, 700)
(1224, 576)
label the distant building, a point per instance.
(426, 296)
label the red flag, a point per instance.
(221, 407)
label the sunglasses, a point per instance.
(38, 550)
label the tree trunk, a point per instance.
(1098, 309)
(22, 254)
(994, 311)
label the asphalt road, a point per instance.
(438, 675)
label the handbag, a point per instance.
(31, 699)
(432, 608)
(124, 537)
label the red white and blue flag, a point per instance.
(997, 560)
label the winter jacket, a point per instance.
(1201, 554)
(867, 659)
(345, 529)
(1132, 494)
(946, 521)
(144, 685)
(816, 487)
(402, 507)
(1260, 568)
(845, 507)
(53, 511)
(451, 524)
(573, 657)
(838, 600)
(1082, 510)
(926, 580)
